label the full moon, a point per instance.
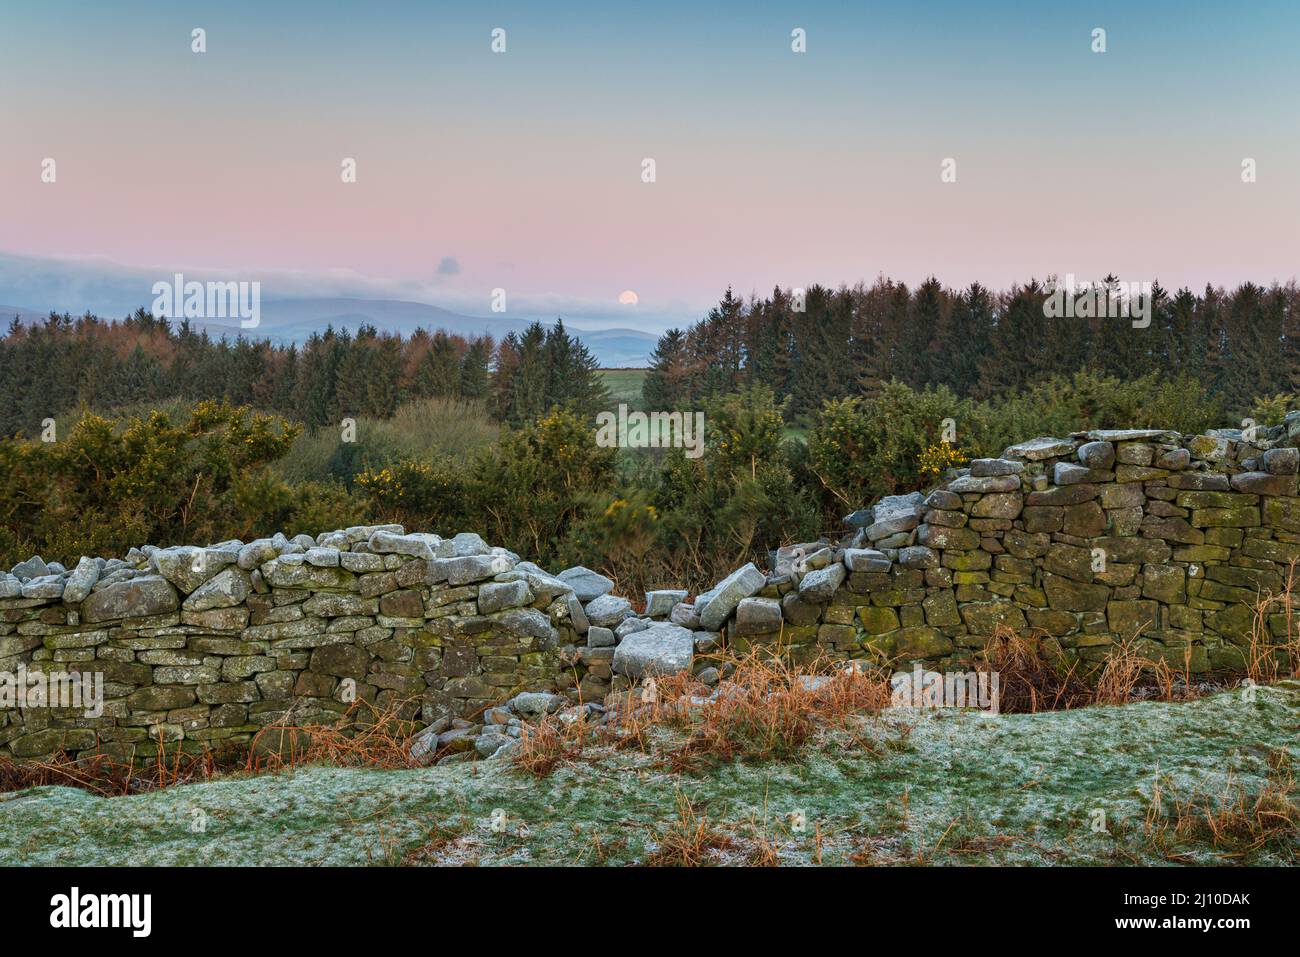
(628, 298)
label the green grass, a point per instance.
(624, 386)
(960, 788)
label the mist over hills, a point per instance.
(295, 320)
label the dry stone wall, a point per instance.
(1141, 536)
(1087, 540)
(207, 646)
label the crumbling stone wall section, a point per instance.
(206, 646)
(1141, 536)
(1138, 535)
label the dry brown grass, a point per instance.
(1121, 675)
(366, 736)
(689, 841)
(108, 776)
(1127, 673)
(1269, 659)
(767, 709)
(1028, 681)
(1233, 821)
(553, 741)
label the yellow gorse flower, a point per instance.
(934, 459)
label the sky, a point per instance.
(523, 170)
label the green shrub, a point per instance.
(425, 430)
(524, 492)
(1272, 409)
(111, 484)
(861, 448)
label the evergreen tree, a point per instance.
(474, 369)
(665, 384)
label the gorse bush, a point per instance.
(523, 492)
(1085, 400)
(110, 484)
(863, 447)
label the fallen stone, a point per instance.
(390, 543)
(661, 649)
(544, 586)
(630, 626)
(81, 581)
(660, 603)
(894, 514)
(34, 567)
(528, 622)
(716, 605)
(470, 568)
(465, 544)
(993, 484)
(577, 617)
(819, 586)
(607, 610)
(227, 588)
(685, 615)
(987, 468)
(1035, 450)
(256, 553)
(495, 596)
(1134, 435)
(534, 704)
(586, 584)
(758, 616)
(490, 743)
(598, 637)
(44, 587)
(865, 560)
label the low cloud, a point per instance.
(112, 290)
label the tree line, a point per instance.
(51, 367)
(979, 343)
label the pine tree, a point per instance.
(665, 384)
(474, 369)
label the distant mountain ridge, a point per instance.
(295, 320)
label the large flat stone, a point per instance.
(1035, 450)
(137, 598)
(586, 584)
(661, 649)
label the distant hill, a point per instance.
(294, 320)
(24, 314)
